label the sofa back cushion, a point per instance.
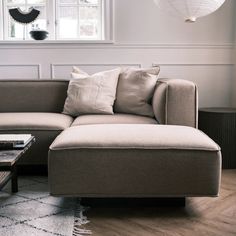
(32, 95)
(135, 90)
(91, 94)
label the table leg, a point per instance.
(14, 181)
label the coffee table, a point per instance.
(8, 165)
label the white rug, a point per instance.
(33, 212)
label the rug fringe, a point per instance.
(80, 220)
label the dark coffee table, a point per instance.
(8, 165)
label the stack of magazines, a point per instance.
(14, 141)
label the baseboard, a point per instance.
(32, 170)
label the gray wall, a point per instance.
(202, 52)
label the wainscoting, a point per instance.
(17, 71)
(211, 67)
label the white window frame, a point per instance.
(108, 20)
(1, 21)
(51, 14)
(51, 22)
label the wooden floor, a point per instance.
(200, 217)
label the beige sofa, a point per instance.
(115, 155)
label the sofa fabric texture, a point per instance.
(175, 102)
(38, 152)
(135, 90)
(112, 160)
(136, 173)
(32, 95)
(91, 94)
(130, 136)
(45, 127)
(118, 155)
(113, 119)
(34, 121)
(50, 96)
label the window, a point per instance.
(14, 30)
(63, 19)
(79, 19)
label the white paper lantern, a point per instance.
(190, 10)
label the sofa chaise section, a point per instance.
(130, 161)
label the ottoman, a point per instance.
(134, 161)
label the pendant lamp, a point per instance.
(189, 10)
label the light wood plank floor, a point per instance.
(200, 217)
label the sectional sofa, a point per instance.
(120, 155)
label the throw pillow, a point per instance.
(77, 73)
(91, 94)
(135, 90)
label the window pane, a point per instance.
(68, 22)
(89, 22)
(15, 1)
(89, 13)
(16, 30)
(36, 2)
(41, 22)
(89, 1)
(68, 1)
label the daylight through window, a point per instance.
(63, 19)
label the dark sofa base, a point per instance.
(133, 202)
(41, 170)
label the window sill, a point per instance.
(54, 44)
(43, 42)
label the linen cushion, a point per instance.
(135, 90)
(175, 102)
(91, 94)
(34, 121)
(32, 95)
(113, 119)
(130, 136)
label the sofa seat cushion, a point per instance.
(113, 119)
(133, 136)
(34, 121)
(135, 90)
(125, 160)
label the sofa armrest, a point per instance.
(175, 102)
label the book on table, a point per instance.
(14, 141)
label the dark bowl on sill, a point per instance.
(38, 34)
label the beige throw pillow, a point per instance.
(135, 90)
(91, 94)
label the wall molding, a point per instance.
(38, 67)
(192, 64)
(54, 65)
(52, 44)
